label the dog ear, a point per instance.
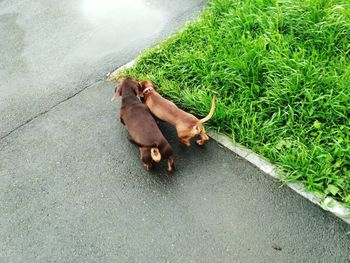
(140, 87)
(117, 92)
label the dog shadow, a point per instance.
(184, 156)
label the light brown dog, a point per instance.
(187, 125)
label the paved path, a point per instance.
(72, 188)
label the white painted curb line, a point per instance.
(328, 204)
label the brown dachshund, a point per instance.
(187, 125)
(142, 127)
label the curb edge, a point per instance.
(327, 204)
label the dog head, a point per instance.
(145, 86)
(131, 83)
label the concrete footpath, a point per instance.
(72, 188)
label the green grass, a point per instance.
(281, 72)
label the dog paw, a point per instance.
(187, 143)
(147, 166)
(170, 169)
(200, 142)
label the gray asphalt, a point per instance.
(72, 188)
(50, 50)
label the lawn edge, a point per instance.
(327, 204)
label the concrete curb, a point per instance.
(113, 76)
(328, 204)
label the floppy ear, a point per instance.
(118, 92)
(140, 88)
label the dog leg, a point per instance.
(148, 166)
(204, 138)
(184, 137)
(146, 157)
(185, 141)
(171, 166)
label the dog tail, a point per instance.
(211, 112)
(155, 154)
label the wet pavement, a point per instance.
(72, 188)
(50, 50)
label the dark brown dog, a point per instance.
(187, 125)
(142, 127)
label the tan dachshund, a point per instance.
(187, 125)
(142, 127)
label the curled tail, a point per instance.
(211, 112)
(154, 151)
(155, 154)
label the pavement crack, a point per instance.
(50, 108)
